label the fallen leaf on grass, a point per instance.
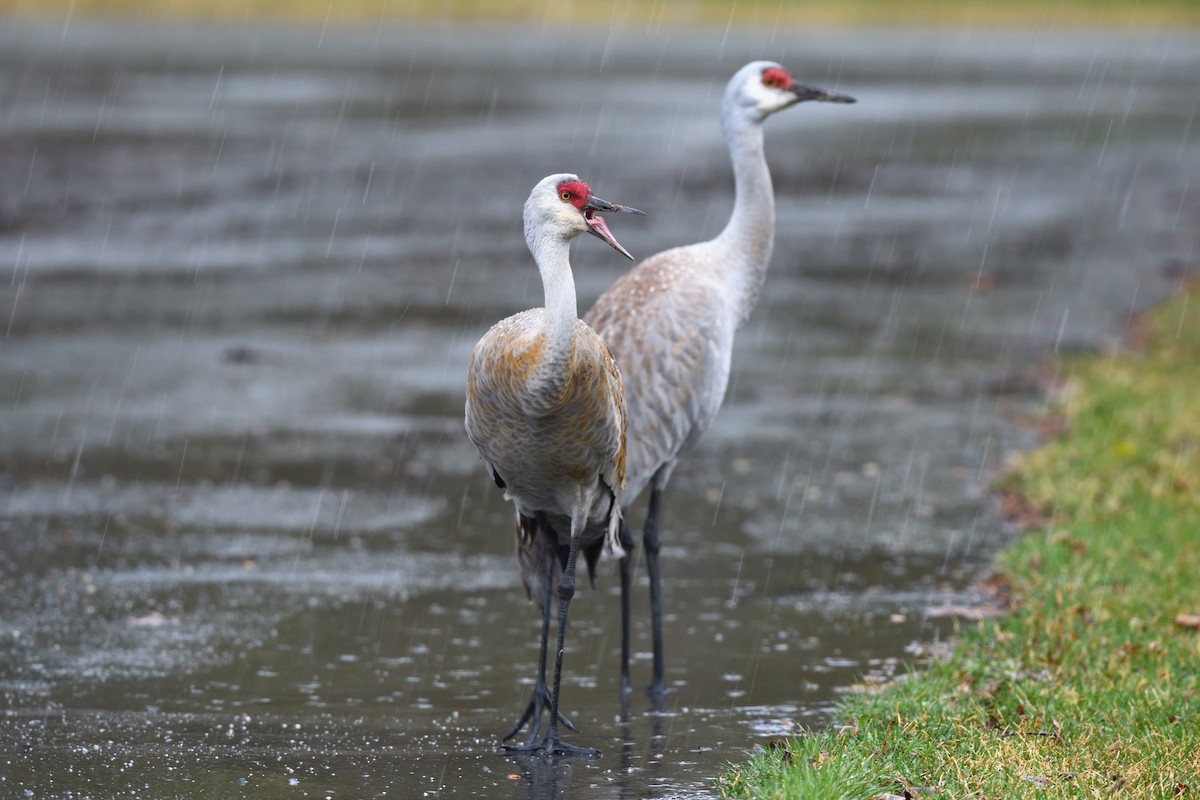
(998, 587)
(1188, 621)
(785, 750)
(1016, 509)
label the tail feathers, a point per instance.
(612, 545)
(531, 558)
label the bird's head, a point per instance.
(563, 205)
(759, 89)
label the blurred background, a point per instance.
(245, 248)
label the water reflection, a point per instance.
(540, 778)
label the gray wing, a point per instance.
(665, 323)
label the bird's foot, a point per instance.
(533, 714)
(552, 746)
(558, 747)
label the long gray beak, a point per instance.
(599, 228)
(805, 92)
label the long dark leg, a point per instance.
(650, 540)
(541, 694)
(626, 591)
(566, 590)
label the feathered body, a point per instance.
(548, 419)
(546, 411)
(671, 321)
(671, 325)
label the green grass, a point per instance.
(796, 14)
(1089, 688)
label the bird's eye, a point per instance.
(565, 196)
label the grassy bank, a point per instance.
(770, 13)
(1090, 687)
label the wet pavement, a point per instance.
(246, 547)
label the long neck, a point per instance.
(552, 256)
(747, 239)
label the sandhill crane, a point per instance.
(671, 320)
(546, 411)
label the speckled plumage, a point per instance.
(546, 411)
(672, 324)
(551, 429)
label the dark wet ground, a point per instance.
(247, 548)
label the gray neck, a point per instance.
(552, 254)
(749, 236)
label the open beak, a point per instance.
(805, 92)
(597, 226)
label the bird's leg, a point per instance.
(566, 590)
(650, 540)
(541, 695)
(626, 539)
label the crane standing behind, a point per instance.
(670, 323)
